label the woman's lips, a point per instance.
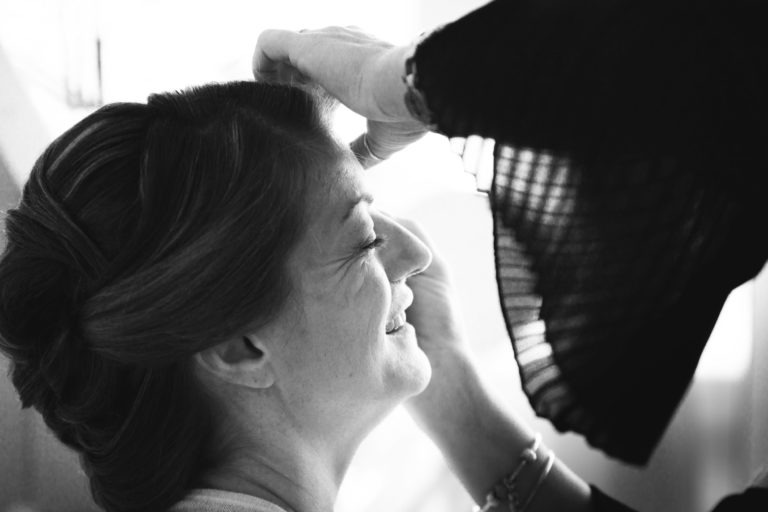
(395, 323)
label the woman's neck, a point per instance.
(295, 457)
(296, 489)
(279, 464)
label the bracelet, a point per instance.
(540, 480)
(362, 151)
(369, 150)
(506, 490)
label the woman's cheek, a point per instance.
(357, 276)
(366, 282)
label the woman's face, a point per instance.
(347, 347)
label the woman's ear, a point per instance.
(243, 361)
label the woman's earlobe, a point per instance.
(243, 361)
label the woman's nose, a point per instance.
(409, 255)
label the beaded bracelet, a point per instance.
(540, 480)
(506, 490)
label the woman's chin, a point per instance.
(426, 376)
(414, 369)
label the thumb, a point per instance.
(386, 138)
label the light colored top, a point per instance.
(214, 500)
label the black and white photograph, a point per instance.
(383, 256)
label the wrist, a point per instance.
(478, 437)
(391, 89)
(365, 155)
(453, 395)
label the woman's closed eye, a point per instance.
(372, 244)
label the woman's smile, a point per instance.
(405, 332)
(396, 323)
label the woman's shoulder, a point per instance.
(215, 500)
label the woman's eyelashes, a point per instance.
(372, 244)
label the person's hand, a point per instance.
(383, 139)
(435, 316)
(362, 72)
(434, 312)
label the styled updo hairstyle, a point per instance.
(145, 234)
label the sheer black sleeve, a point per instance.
(753, 499)
(603, 503)
(600, 75)
(628, 191)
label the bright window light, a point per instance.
(728, 352)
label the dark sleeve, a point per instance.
(754, 499)
(604, 503)
(628, 190)
(569, 75)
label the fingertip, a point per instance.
(268, 35)
(257, 60)
(272, 46)
(275, 40)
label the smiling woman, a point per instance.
(182, 302)
(350, 291)
(302, 392)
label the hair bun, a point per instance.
(146, 234)
(35, 320)
(47, 267)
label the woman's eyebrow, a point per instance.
(368, 198)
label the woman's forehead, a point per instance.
(340, 184)
(336, 189)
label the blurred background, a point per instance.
(60, 59)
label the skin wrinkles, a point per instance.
(370, 285)
(339, 233)
(331, 373)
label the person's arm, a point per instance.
(618, 75)
(627, 98)
(621, 75)
(481, 440)
(658, 110)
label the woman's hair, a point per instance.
(145, 234)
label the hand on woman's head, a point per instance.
(361, 71)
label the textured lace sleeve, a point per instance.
(617, 76)
(604, 503)
(628, 190)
